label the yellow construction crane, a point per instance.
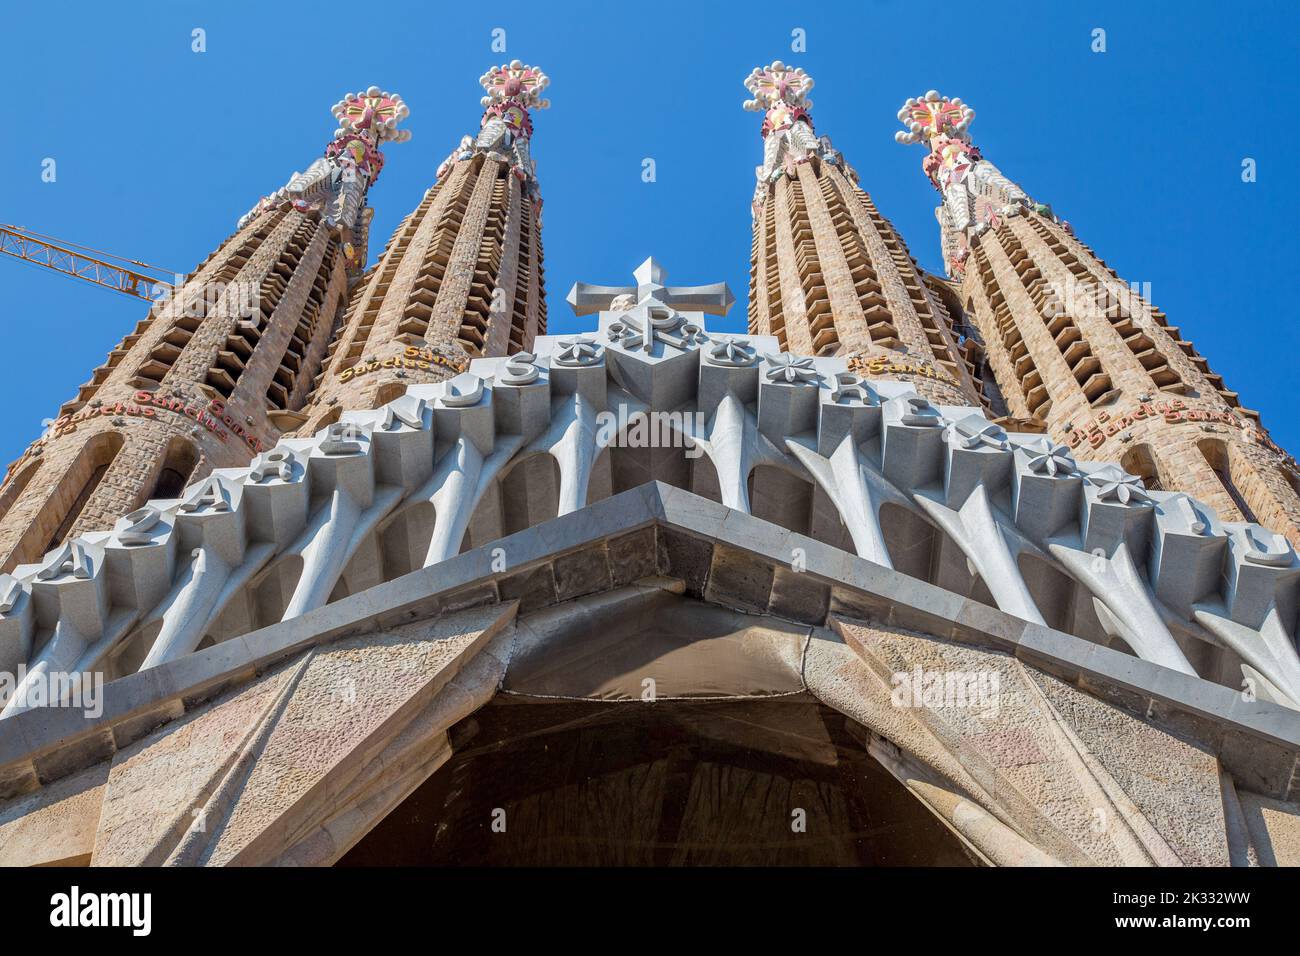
(81, 262)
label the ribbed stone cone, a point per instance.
(461, 277)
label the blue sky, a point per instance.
(159, 150)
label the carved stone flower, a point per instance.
(1050, 459)
(735, 352)
(784, 367)
(579, 351)
(1115, 484)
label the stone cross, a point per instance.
(714, 299)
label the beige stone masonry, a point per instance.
(152, 407)
(1182, 431)
(828, 276)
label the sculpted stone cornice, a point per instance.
(169, 570)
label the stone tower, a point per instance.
(1074, 346)
(215, 371)
(462, 275)
(828, 273)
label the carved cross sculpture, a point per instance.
(713, 299)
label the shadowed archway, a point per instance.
(784, 782)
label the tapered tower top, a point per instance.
(335, 185)
(513, 89)
(976, 196)
(780, 93)
(944, 125)
(934, 115)
(374, 113)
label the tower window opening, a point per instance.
(17, 485)
(85, 476)
(178, 465)
(1141, 462)
(1216, 456)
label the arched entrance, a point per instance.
(779, 782)
(643, 727)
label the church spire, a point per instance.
(334, 187)
(215, 372)
(1078, 351)
(829, 275)
(780, 93)
(974, 190)
(462, 275)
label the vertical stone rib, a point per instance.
(897, 305)
(378, 310)
(850, 324)
(449, 310)
(331, 318)
(1050, 239)
(998, 344)
(897, 311)
(534, 325)
(1099, 332)
(1066, 395)
(201, 351)
(759, 317)
(282, 325)
(420, 277)
(505, 282)
(792, 296)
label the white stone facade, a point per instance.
(246, 547)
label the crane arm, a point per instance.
(28, 247)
